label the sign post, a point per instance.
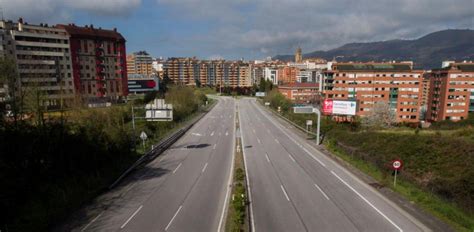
(143, 136)
(396, 164)
(310, 110)
(309, 124)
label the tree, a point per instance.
(261, 85)
(183, 100)
(9, 78)
(164, 85)
(380, 116)
(35, 100)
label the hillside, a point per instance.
(427, 52)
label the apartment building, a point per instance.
(43, 59)
(214, 73)
(301, 92)
(140, 64)
(451, 94)
(98, 62)
(396, 84)
(287, 75)
(181, 70)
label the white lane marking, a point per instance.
(291, 138)
(130, 218)
(93, 220)
(284, 192)
(366, 201)
(277, 141)
(312, 156)
(229, 182)
(196, 134)
(169, 224)
(247, 176)
(204, 169)
(258, 140)
(226, 133)
(176, 169)
(214, 147)
(324, 194)
(266, 156)
(212, 134)
(293, 159)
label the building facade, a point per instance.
(140, 64)
(213, 73)
(43, 59)
(396, 84)
(451, 94)
(301, 92)
(99, 63)
(287, 75)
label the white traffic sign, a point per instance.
(143, 135)
(309, 122)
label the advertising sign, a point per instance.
(327, 106)
(340, 107)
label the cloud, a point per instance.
(269, 27)
(59, 10)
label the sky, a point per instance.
(249, 29)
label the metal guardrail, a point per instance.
(158, 149)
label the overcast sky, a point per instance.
(249, 29)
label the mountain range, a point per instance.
(426, 52)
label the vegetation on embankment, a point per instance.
(438, 171)
(52, 168)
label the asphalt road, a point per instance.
(294, 187)
(185, 189)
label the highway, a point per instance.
(184, 189)
(294, 187)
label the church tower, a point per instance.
(298, 56)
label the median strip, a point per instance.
(238, 215)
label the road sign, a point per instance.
(143, 135)
(309, 122)
(397, 164)
(260, 94)
(267, 103)
(304, 110)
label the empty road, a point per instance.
(184, 189)
(293, 187)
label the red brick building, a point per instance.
(300, 92)
(287, 75)
(451, 95)
(397, 84)
(99, 62)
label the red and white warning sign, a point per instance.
(397, 164)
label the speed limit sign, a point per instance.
(397, 164)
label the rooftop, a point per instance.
(91, 32)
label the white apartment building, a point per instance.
(43, 60)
